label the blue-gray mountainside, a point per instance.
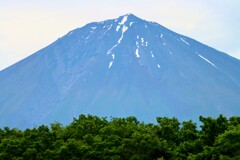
(119, 67)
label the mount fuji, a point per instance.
(120, 67)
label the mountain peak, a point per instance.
(128, 18)
(119, 67)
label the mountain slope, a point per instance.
(120, 67)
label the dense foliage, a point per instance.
(91, 137)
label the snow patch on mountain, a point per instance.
(118, 27)
(124, 20)
(110, 27)
(152, 54)
(184, 41)
(110, 64)
(124, 29)
(137, 53)
(205, 59)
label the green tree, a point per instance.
(228, 143)
(211, 128)
(168, 129)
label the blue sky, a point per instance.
(29, 25)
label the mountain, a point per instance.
(120, 67)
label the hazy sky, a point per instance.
(29, 25)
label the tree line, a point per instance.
(90, 137)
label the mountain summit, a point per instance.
(120, 67)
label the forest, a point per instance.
(90, 137)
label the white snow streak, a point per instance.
(93, 27)
(110, 50)
(137, 43)
(158, 66)
(184, 41)
(152, 54)
(124, 20)
(137, 54)
(206, 60)
(131, 23)
(124, 29)
(161, 35)
(146, 44)
(118, 27)
(164, 44)
(142, 40)
(110, 64)
(110, 27)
